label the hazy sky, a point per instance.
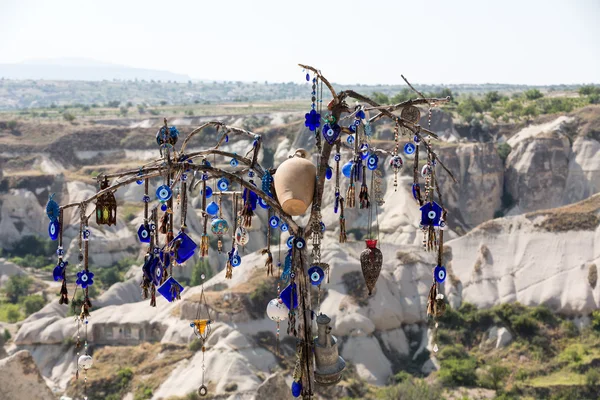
(434, 41)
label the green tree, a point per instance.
(494, 376)
(380, 98)
(11, 125)
(68, 117)
(492, 97)
(17, 287)
(113, 104)
(533, 94)
(33, 303)
(6, 335)
(13, 315)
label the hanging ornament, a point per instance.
(144, 233)
(289, 296)
(234, 162)
(183, 247)
(106, 206)
(347, 169)
(371, 260)
(276, 310)
(223, 184)
(439, 273)
(295, 183)
(170, 289)
(372, 161)
(267, 184)
(85, 362)
(411, 114)
(85, 279)
(53, 230)
(219, 226)
(331, 132)
(284, 227)
(329, 365)
(409, 149)
(208, 192)
(202, 329)
(431, 213)
(316, 275)
(59, 271)
(52, 208)
(163, 193)
(274, 221)
(328, 173)
(313, 120)
(241, 236)
(212, 208)
(363, 196)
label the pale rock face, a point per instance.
(20, 215)
(8, 269)
(274, 387)
(371, 364)
(536, 172)
(480, 175)
(583, 179)
(497, 337)
(20, 378)
(395, 339)
(527, 264)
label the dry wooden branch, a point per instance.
(394, 107)
(324, 80)
(411, 86)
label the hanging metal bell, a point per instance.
(329, 364)
(371, 260)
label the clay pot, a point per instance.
(295, 183)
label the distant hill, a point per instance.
(74, 69)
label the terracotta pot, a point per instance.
(295, 183)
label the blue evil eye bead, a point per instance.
(152, 226)
(296, 388)
(250, 174)
(416, 139)
(307, 77)
(347, 169)
(440, 273)
(209, 192)
(236, 260)
(183, 177)
(53, 230)
(350, 139)
(52, 208)
(290, 242)
(322, 226)
(396, 162)
(316, 275)
(415, 189)
(409, 149)
(163, 207)
(234, 162)
(144, 234)
(426, 170)
(146, 199)
(85, 234)
(372, 162)
(431, 213)
(212, 208)
(156, 250)
(299, 243)
(274, 221)
(139, 181)
(360, 114)
(263, 203)
(60, 251)
(85, 279)
(223, 184)
(312, 120)
(331, 132)
(357, 122)
(204, 176)
(59, 271)
(443, 225)
(352, 128)
(163, 193)
(337, 157)
(284, 227)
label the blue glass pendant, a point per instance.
(360, 114)
(274, 221)
(208, 192)
(296, 388)
(290, 242)
(186, 247)
(284, 227)
(316, 275)
(350, 139)
(431, 213)
(170, 289)
(372, 162)
(144, 233)
(409, 149)
(439, 273)
(299, 243)
(59, 270)
(53, 230)
(212, 208)
(52, 208)
(236, 260)
(331, 132)
(263, 203)
(347, 169)
(415, 187)
(288, 294)
(312, 120)
(163, 193)
(234, 162)
(164, 207)
(223, 184)
(328, 172)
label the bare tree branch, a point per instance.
(324, 80)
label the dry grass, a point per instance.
(582, 216)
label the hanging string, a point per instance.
(64, 293)
(204, 243)
(343, 236)
(267, 250)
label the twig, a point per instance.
(411, 86)
(324, 80)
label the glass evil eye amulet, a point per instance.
(163, 193)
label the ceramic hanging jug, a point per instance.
(371, 260)
(295, 183)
